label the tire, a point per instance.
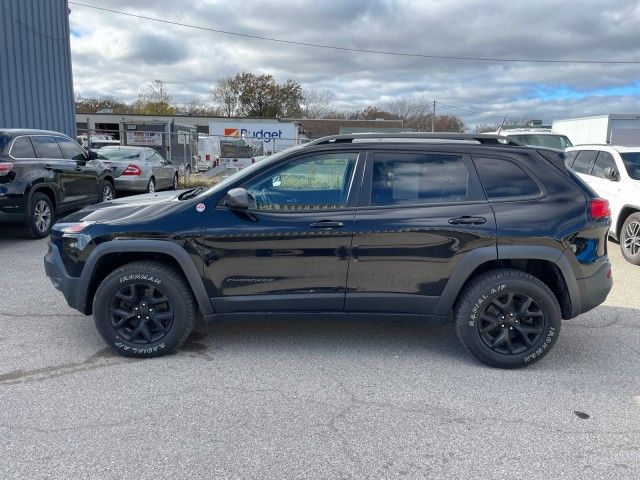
(164, 330)
(151, 186)
(630, 239)
(40, 216)
(174, 185)
(531, 331)
(107, 192)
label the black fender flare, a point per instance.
(476, 258)
(178, 253)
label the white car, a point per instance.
(614, 173)
(537, 137)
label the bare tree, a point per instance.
(226, 95)
(157, 92)
(316, 103)
(407, 108)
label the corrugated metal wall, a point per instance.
(36, 84)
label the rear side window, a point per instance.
(604, 161)
(415, 178)
(584, 161)
(46, 146)
(503, 179)
(71, 149)
(22, 148)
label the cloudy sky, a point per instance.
(118, 55)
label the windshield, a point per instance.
(111, 153)
(559, 142)
(230, 180)
(631, 162)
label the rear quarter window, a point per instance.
(503, 179)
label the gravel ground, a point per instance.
(302, 399)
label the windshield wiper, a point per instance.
(190, 193)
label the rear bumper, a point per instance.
(61, 280)
(132, 184)
(594, 289)
(12, 210)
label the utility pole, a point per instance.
(433, 118)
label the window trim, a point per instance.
(475, 193)
(352, 194)
(14, 141)
(542, 191)
(45, 135)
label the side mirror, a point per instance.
(611, 174)
(237, 199)
(92, 155)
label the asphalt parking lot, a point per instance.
(289, 399)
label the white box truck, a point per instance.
(274, 135)
(612, 129)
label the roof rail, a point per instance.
(480, 138)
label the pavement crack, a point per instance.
(101, 359)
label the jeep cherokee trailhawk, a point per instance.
(415, 226)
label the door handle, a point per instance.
(467, 220)
(327, 224)
(48, 167)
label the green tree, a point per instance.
(93, 105)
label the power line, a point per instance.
(363, 50)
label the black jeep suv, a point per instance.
(411, 226)
(44, 174)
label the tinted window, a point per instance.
(408, 178)
(22, 148)
(559, 142)
(46, 146)
(71, 149)
(631, 162)
(584, 161)
(318, 182)
(604, 161)
(503, 179)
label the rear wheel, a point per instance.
(144, 309)
(40, 216)
(630, 239)
(508, 318)
(151, 186)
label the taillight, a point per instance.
(600, 208)
(253, 160)
(132, 169)
(5, 167)
(207, 157)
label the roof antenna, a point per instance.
(502, 125)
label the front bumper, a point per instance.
(595, 289)
(68, 285)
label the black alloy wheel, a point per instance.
(511, 323)
(141, 313)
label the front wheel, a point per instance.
(630, 239)
(151, 186)
(174, 186)
(144, 309)
(107, 192)
(508, 318)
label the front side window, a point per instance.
(631, 162)
(46, 146)
(71, 149)
(584, 161)
(503, 179)
(22, 148)
(603, 161)
(416, 178)
(318, 182)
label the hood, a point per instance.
(137, 208)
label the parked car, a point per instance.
(537, 137)
(412, 226)
(44, 175)
(614, 173)
(139, 169)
